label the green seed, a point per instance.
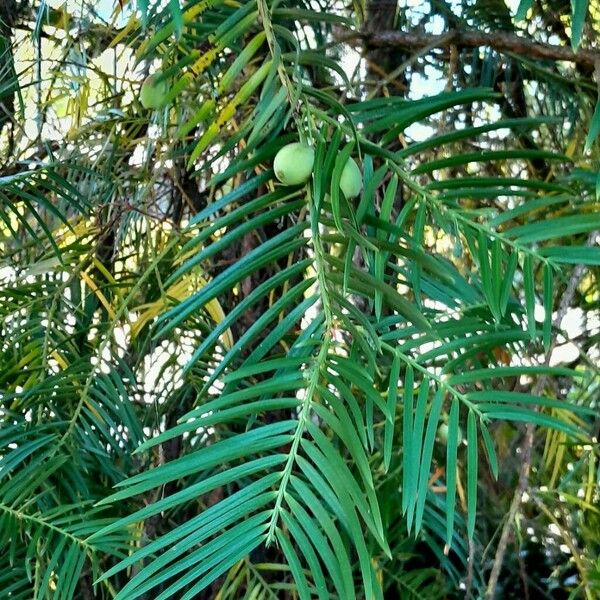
(351, 179)
(443, 433)
(293, 164)
(153, 94)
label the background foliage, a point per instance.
(216, 386)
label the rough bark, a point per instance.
(500, 41)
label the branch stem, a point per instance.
(498, 40)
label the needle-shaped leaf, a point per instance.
(451, 456)
(472, 467)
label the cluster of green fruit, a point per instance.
(294, 163)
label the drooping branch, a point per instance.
(527, 446)
(500, 41)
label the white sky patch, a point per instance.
(563, 354)
(513, 5)
(573, 323)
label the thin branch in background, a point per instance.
(386, 79)
(452, 68)
(393, 76)
(523, 575)
(39, 116)
(469, 579)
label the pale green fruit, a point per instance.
(153, 94)
(293, 164)
(351, 179)
(443, 433)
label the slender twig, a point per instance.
(523, 575)
(469, 581)
(405, 65)
(527, 445)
